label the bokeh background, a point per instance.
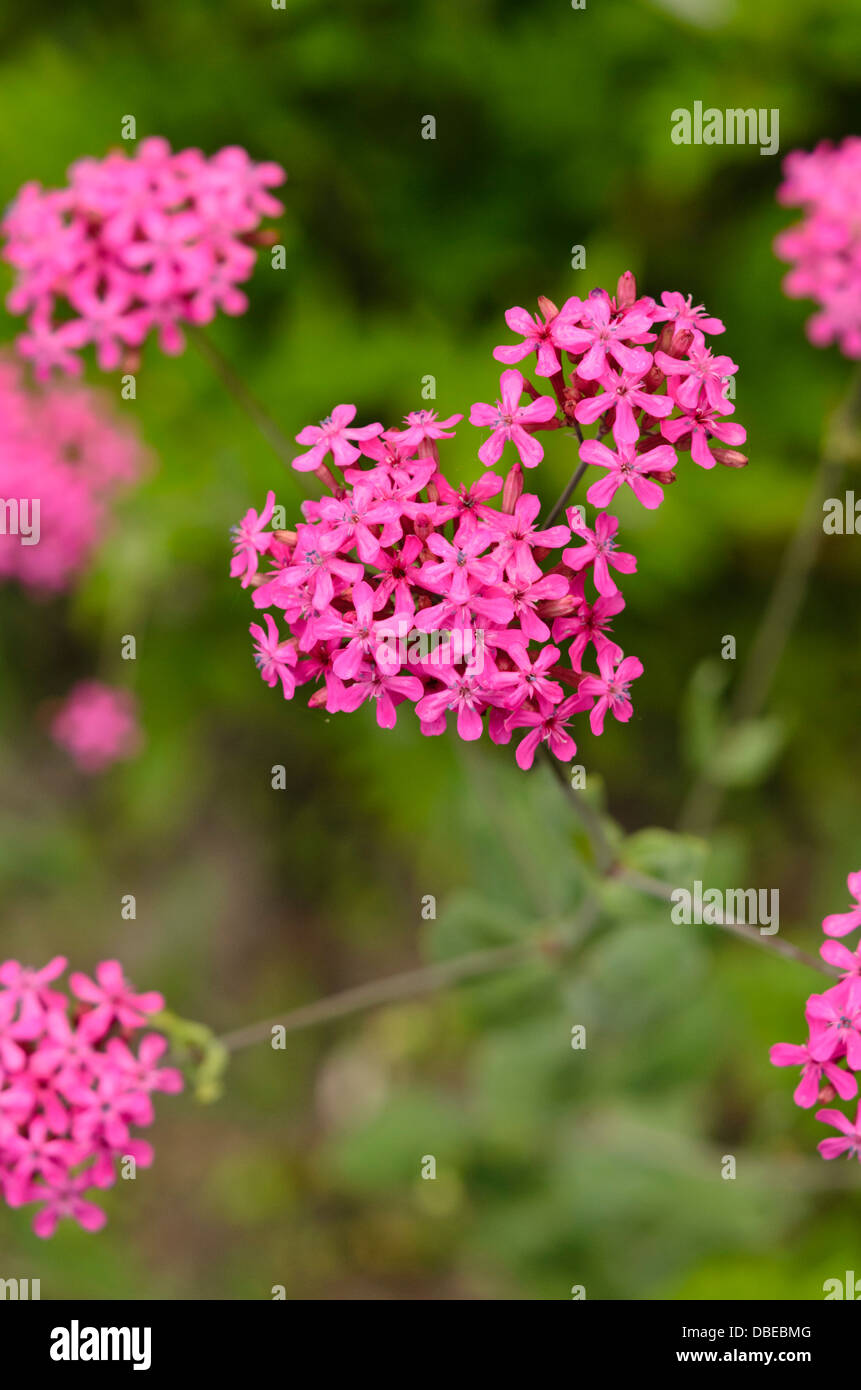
(555, 1167)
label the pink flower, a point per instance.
(839, 923)
(835, 1021)
(97, 726)
(850, 1144)
(332, 436)
(251, 540)
(626, 466)
(529, 680)
(275, 658)
(460, 567)
(611, 689)
(74, 1092)
(403, 588)
(598, 550)
(520, 536)
(824, 249)
(540, 335)
(509, 419)
(602, 332)
(681, 311)
(133, 243)
(812, 1072)
(547, 724)
(113, 1000)
(699, 425)
(422, 425)
(705, 375)
(63, 1199)
(386, 691)
(624, 393)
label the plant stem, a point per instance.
(609, 868)
(703, 803)
(388, 990)
(230, 378)
(563, 500)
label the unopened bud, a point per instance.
(285, 537)
(513, 488)
(556, 607)
(547, 307)
(626, 291)
(327, 477)
(318, 698)
(730, 458)
(265, 236)
(653, 379)
(681, 342)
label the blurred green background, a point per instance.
(554, 1167)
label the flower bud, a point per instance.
(681, 342)
(547, 307)
(513, 488)
(730, 458)
(626, 291)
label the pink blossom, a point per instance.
(600, 332)
(812, 1072)
(850, 1144)
(97, 725)
(332, 435)
(112, 999)
(67, 1108)
(547, 724)
(402, 588)
(839, 923)
(824, 249)
(599, 550)
(540, 335)
(275, 658)
(626, 466)
(134, 242)
(65, 457)
(611, 688)
(251, 540)
(508, 419)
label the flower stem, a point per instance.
(230, 378)
(609, 867)
(565, 497)
(388, 990)
(703, 803)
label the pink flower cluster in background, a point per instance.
(97, 725)
(397, 558)
(134, 244)
(75, 1077)
(824, 249)
(834, 1034)
(64, 450)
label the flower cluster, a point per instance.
(834, 1034)
(134, 244)
(63, 457)
(97, 725)
(74, 1079)
(400, 587)
(824, 249)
